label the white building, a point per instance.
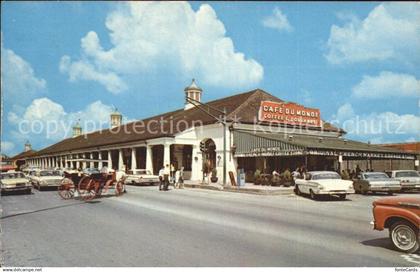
(262, 131)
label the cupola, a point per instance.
(28, 146)
(77, 129)
(193, 92)
(116, 118)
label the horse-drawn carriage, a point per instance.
(89, 186)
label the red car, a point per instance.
(401, 215)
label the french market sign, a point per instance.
(289, 113)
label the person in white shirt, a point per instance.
(166, 173)
(161, 173)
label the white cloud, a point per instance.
(305, 96)
(6, 147)
(278, 21)
(85, 71)
(45, 118)
(411, 140)
(18, 79)
(147, 36)
(391, 31)
(387, 84)
(380, 125)
(344, 112)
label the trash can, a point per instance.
(241, 177)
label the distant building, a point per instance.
(19, 161)
(6, 163)
(409, 147)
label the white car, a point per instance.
(409, 179)
(141, 176)
(46, 178)
(14, 181)
(318, 183)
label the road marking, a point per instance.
(412, 258)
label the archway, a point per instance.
(208, 149)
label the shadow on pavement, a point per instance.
(326, 198)
(12, 193)
(379, 242)
(47, 209)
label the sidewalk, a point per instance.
(249, 188)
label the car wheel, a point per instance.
(312, 194)
(390, 193)
(343, 196)
(133, 182)
(297, 191)
(404, 237)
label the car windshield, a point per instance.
(142, 172)
(407, 174)
(375, 176)
(49, 173)
(91, 170)
(12, 175)
(325, 176)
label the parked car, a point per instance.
(12, 181)
(409, 179)
(141, 176)
(318, 183)
(46, 179)
(401, 215)
(90, 171)
(376, 182)
(28, 172)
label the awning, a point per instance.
(7, 167)
(262, 144)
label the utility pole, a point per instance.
(206, 109)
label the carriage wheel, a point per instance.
(66, 188)
(87, 189)
(119, 188)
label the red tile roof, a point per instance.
(411, 147)
(244, 106)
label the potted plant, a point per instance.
(287, 177)
(214, 175)
(257, 177)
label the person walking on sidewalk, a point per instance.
(161, 183)
(166, 174)
(179, 178)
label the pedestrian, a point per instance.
(304, 172)
(179, 179)
(296, 174)
(172, 175)
(358, 170)
(161, 183)
(353, 174)
(166, 174)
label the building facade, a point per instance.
(252, 130)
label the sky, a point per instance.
(64, 61)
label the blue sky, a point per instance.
(357, 62)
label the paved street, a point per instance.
(193, 227)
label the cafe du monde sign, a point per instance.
(289, 113)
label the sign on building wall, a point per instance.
(289, 113)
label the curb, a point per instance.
(287, 191)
